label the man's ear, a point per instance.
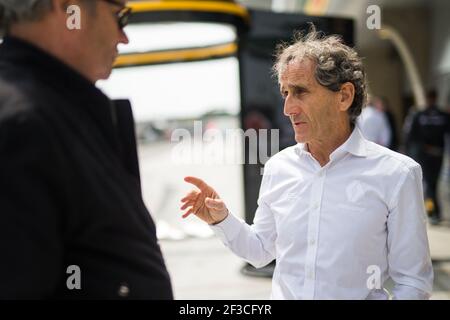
(346, 96)
(60, 6)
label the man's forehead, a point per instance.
(297, 72)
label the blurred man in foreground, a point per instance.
(339, 214)
(72, 220)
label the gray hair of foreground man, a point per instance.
(335, 62)
(17, 11)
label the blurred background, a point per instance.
(205, 66)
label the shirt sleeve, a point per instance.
(30, 241)
(408, 249)
(256, 243)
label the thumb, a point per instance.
(214, 203)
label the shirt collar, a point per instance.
(355, 145)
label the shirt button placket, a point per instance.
(313, 228)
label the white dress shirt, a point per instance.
(374, 126)
(332, 229)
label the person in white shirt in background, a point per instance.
(340, 214)
(374, 124)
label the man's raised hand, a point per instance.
(205, 203)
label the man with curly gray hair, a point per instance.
(73, 223)
(335, 64)
(340, 214)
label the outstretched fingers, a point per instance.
(188, 213)
(190, 196)
(199, 183)
(187, 204)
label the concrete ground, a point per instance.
(439, 237)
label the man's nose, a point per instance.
(289, 107)
(123, 38)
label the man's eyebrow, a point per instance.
(295, 87)
(299, 87)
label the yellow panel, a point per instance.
(205, 6)
(175, 55)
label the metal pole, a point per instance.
(387, 32)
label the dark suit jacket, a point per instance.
(70, 187)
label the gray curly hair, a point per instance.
(16, 11)
(13, 11)
(336, 64)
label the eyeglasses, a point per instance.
(123, 16)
